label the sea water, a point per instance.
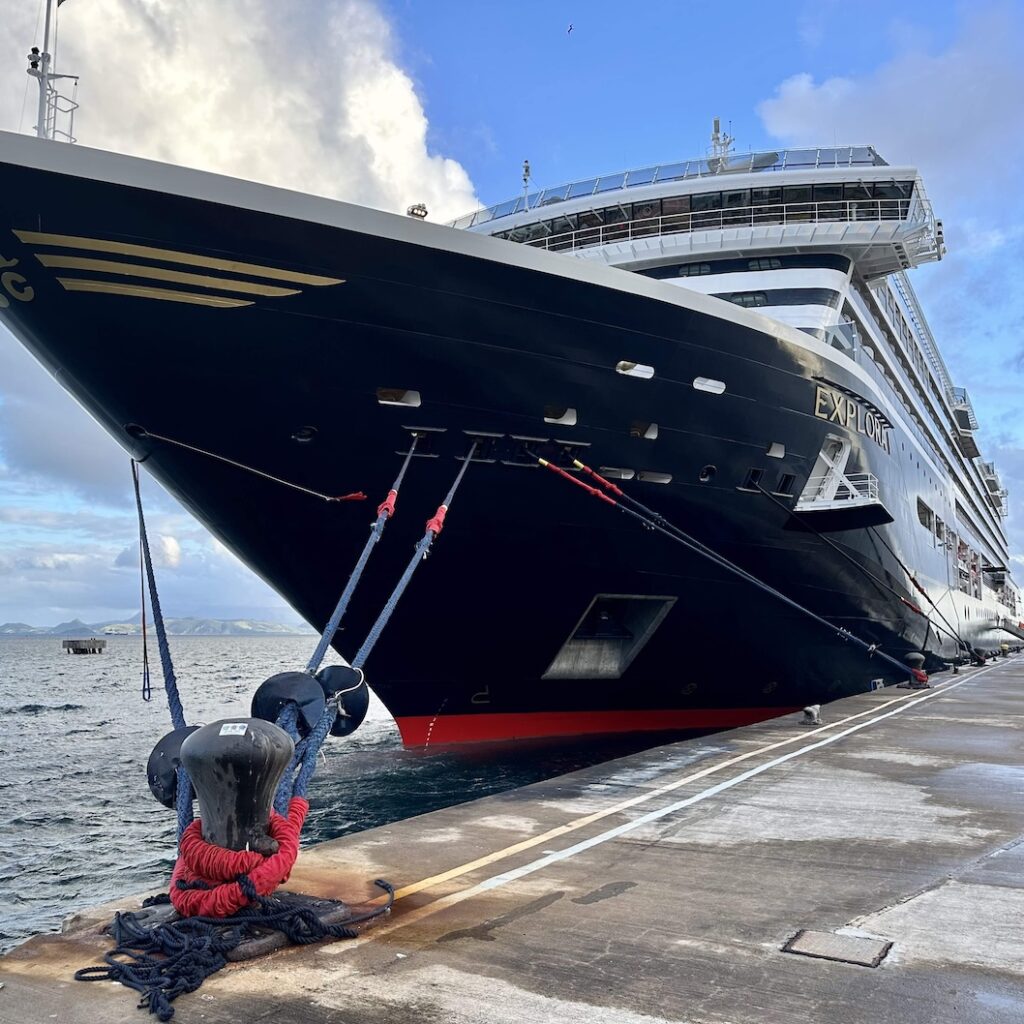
(80, 824)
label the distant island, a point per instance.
(175, 627)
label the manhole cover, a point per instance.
(847, 949)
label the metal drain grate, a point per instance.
(847, 949)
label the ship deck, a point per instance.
(663, 886)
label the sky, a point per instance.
(390, 102)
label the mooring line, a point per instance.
(141, 433)
(496, 881)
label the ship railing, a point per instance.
(963, 409)
(860, 211)
(824, 491)
(701, 167)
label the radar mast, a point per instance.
(56, 116)
(721, 146)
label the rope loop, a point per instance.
(233, 879)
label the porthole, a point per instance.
(398, 396)
(776, 450)
(706, 474)
(752, 481)
(647, 431)
(709, 384)
(304, 435)
(564, 416)
(617, 472)
(631, 369)
(786, 482)
(654, 478)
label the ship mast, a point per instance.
(721, 145)
(52, 104)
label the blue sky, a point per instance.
(398, 101)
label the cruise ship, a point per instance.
(732, 340)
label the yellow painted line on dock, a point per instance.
(906, 701)
(625, 805)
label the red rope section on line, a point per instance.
(607, 484)
(354, 496)
(202, 862)
(436, 525)
(579, 483)
(388, 504)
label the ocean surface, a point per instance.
(75, 735)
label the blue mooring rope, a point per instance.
(170, 682)
(184, 796)
(376, 532)
(306, 751)
(288, 719)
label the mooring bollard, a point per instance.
(918, 680)
(235, 767)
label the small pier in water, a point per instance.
(90, 646)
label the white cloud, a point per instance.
(170, 551)
(978, 240)
(953, 113)
(164, 549)
(307, 95)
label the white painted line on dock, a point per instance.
(905, 702)
(589, 819)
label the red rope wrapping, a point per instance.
(200, 861)
(919, 674)
(388, 504)
(354, 496)
(579, 483)
(436, 525)
(614, 488)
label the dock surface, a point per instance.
(663, 887)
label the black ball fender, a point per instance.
(299, 687)
(162, 767)
(354, 699)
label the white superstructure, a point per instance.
(818, 239)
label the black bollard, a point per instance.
(916, 662)
(235, 767)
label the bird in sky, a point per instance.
(569, 33)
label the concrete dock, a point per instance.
(663, 887)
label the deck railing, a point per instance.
(702, 167)
(784, 214)
(858, 487)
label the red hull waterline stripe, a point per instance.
(421, 730)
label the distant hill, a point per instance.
(188, 626)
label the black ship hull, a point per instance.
(492, 338)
